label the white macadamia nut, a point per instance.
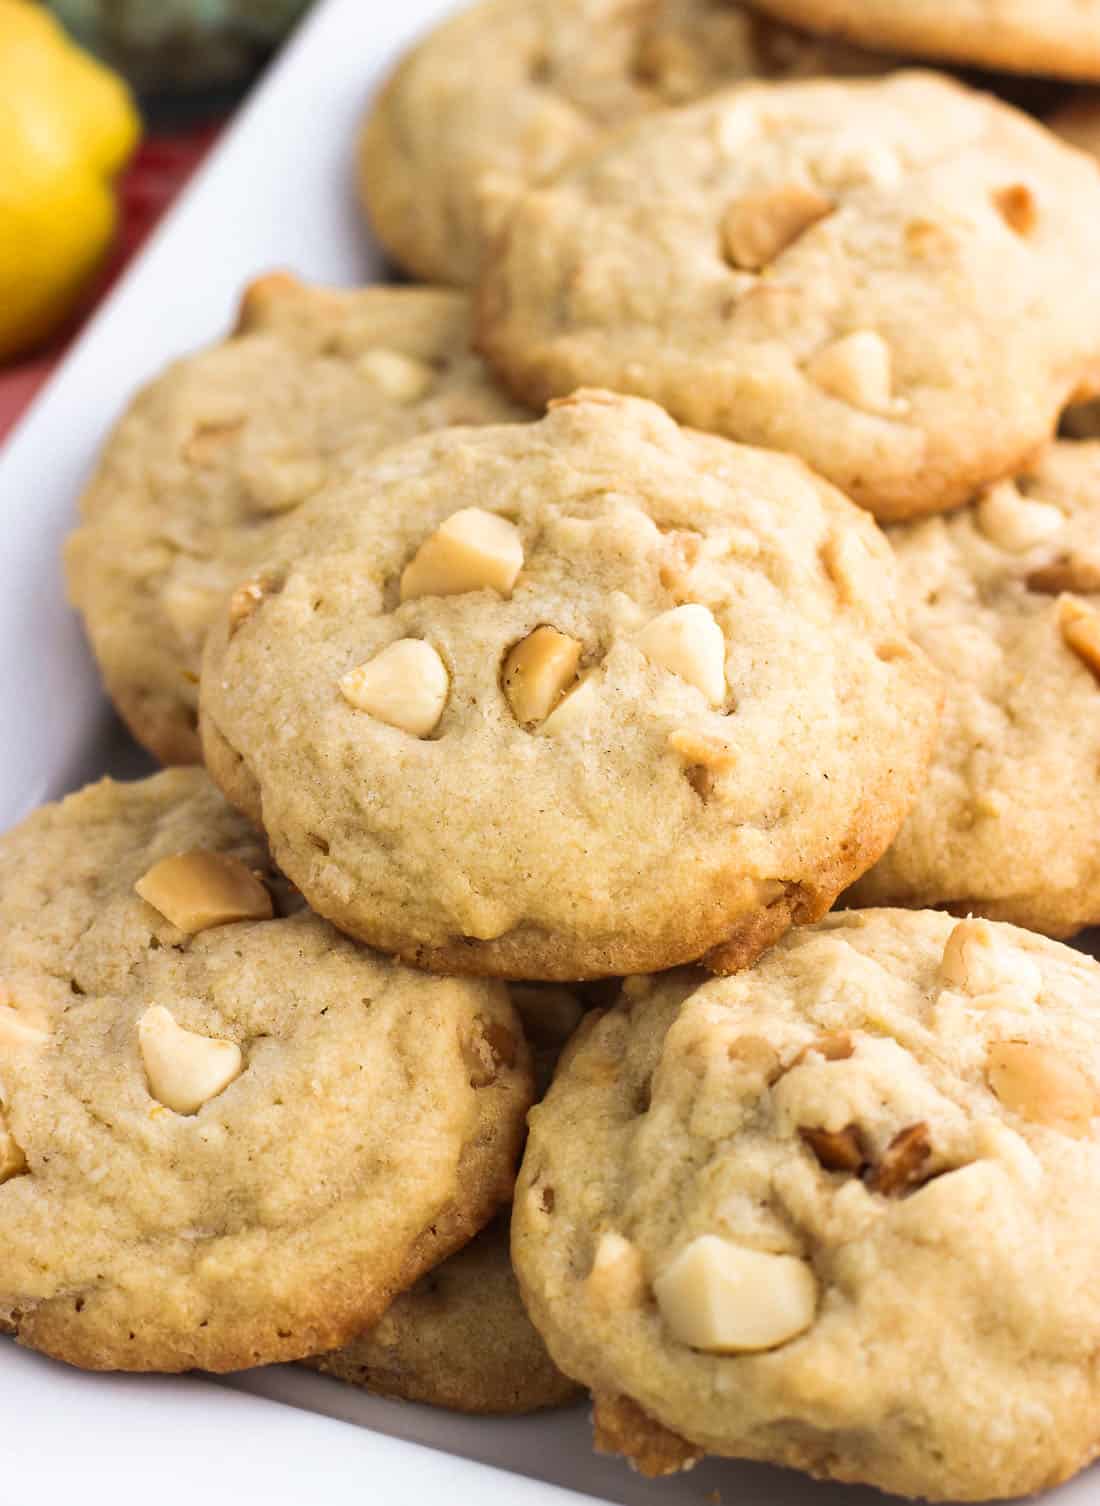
(1015, 522)
(977, 962)
(1042, 1086)
(617, 1279)
(724, 1298)
(758, 226)
(405, 686)
(184, 1069)
(858, 369)
(1080, 625)
(472, 550)
(688, 642)
(196, 890)
(574, 711)
(400, 377)
(538, 671)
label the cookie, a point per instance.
(461, 1338)
(1004, 597)
(770, 264)
(839, 1212)
(566, 699)
(503, 94)
(1059, 37)
(228, 1135)
(210, 458)
(1079, 123)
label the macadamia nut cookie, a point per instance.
(503, 94)
(461, 1338)
(839, 1212)
(572, 698)
(227, 1135)
(1060, 37)
(898, 280)
(1004, 597)
(211, 457)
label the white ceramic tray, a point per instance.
(276, 193)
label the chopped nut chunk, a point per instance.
(1069, 572)
(858, 370)
(402, 378)
(196, 890)
(725, 1298)
(837, 1150)
(902, 1163)
(405, 686)
(184, 1069)
(699, 748)
(1042, 1086)
(574, 711)
(688, 642)
(617, 1279)
(1016, 522)
(1081, 630)
(538, 671)
(245, 600)
(757, 227)
(472, 550)
(485, 1054)
(834, 1048)
(1016, 206)
(976, 962)
(13, 1162)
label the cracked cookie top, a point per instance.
(591, 695)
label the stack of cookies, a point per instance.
(554, 679)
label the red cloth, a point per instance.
(160, 168)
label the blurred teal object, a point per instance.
(181, 46)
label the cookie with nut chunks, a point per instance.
(1004, 597)
(228, 1135)
(839, 1212)
(210, 459)
(768, 264)
(503, 94)
(461, 1338)
(574, 698)
(1059, 37)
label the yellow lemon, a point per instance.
(67, 125)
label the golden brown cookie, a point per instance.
(1004, 597)
(839, 1212)
(228, 1135)
(211, 457)
(461, 1338)
(500, 96)
(898, 280)
(1060, 37)
(573, 698)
